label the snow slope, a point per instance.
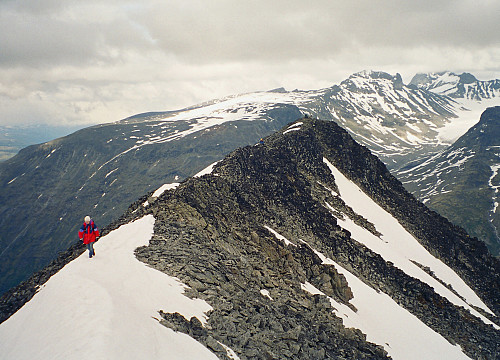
(401, 248)
(105, 308)
(379, 317)
(383, 326)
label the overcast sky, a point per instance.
(86, 62)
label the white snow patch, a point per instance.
(299, 123)
(112, 171)
(496, 188)
(207, 170)
(265, 293)
(494, 169)
(333, 192)
(412, 138)
(414, 127)
(164, 188)
(289, 130)
(279, 236)
(400, 247)
(294, 127)
(229, 352)
(105, 308)
(50, 153)
(311, 289)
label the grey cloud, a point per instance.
(99, 60)
(228, 30)
(51, 36)
(58, 32)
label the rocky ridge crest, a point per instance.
(213, 234)
(210, 232)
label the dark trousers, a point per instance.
(90, 247)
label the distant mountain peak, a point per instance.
(467, 78)
(465, 85)
(373, 74)
(280, 90)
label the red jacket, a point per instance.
(88, 232)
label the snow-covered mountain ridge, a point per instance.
(397, 122)
(303, 247)
(464, 86)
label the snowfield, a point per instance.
(468, 114)
(401, 248)
(105, 308)
(164, 188)
(381, 319)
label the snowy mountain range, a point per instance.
(462, 181)
(102, 169)
(304, 247)
(464, 86)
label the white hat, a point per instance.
(87, 219)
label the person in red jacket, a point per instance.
(89, 234)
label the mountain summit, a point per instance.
(303, 247)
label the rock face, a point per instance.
(462, 181)
(219, 235)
